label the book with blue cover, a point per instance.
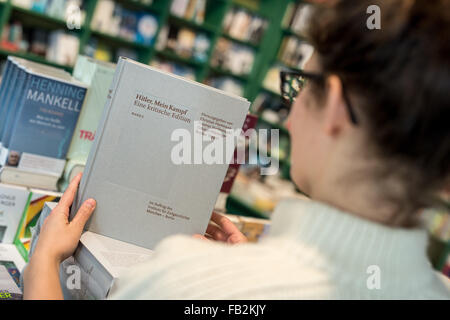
(5, 83)
(12, 109)
(9, 86)
(13, 85)
(42, 115)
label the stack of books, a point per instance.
(242, 25)
(189, 9)
(140, 193)
(39, 108)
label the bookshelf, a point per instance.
(215, 13)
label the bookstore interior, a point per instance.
(62, 61)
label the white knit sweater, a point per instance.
(313, 251)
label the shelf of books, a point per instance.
(223, 43)
(228, 44)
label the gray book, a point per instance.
(142, 195)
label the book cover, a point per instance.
(11, 266)
(142, 195)
(233, 169)
(147, 27)
(98, 77)
(13, 201)
(9, 112)
(45, 117)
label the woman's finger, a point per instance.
(237, 238)
(216, 233)
(83, 214)
(69, 194)
(224, 223)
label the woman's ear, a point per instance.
(336, 118)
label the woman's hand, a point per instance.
(57, 241)
(59, 238)
(222, 229)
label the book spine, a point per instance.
(97, 280)
(5, 82)
(99, 78)
(4, 111)
(19, 245)
(4, 89)
(98, 137)
(15, 107)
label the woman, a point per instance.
(371, 146)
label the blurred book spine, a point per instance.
(245, 26)
(113, 19)
(189, 9)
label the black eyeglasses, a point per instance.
(292, 82)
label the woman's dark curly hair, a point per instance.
(399, 80)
